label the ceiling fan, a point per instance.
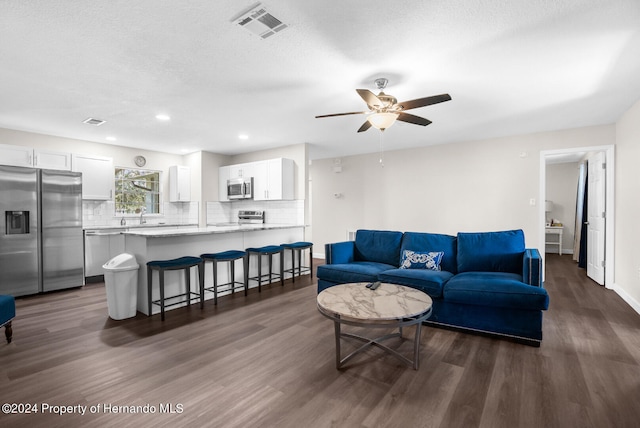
(385, 109)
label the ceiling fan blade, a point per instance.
(370, 98)
(410, 118)
(342, 114)
(422, 102)
(366, 125)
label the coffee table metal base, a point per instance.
(368, 342)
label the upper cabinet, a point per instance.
(37, 158)
(273, 180)
(223, 176)
(52, 160)
(16, 155)
(241, 170)
(179, 183)
(97, 176)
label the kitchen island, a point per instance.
(163, 244)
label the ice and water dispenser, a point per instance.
(16, 222)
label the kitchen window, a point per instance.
(137, 189)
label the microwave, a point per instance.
(240, 188)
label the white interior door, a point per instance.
(596, 214)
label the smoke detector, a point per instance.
(258, 21)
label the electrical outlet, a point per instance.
(532, 202)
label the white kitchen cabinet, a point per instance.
(16, 155)
(241, 170)
(179, 183)
(48, 159)
(223, 176)
(98, 176)
(26, 156)
(273, 180)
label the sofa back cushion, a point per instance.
(432, 242)
(381, 246)
(491, 251)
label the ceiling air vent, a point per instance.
(259, 21)
(93, 121)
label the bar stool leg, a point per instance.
(232, 280)
(281, 255)
(149, 288)
(201, 282)
(311, 261)
(245, 265)
(161, 274)
(270, 267)
(215, 282)
(259, 273)
(187, 274)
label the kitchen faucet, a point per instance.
(142, 211)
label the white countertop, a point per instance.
(140, 226)
(161, 233)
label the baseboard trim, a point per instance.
(626, 297)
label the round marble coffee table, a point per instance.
(390, 305)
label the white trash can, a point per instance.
(121, 282)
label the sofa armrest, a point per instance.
(339, 252)
(532, 267)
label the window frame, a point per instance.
(118, 211)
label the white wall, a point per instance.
(562, 187)
(627, 206)
(469, 186)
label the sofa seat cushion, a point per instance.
(429, 281)
(352, 272)
(498, 289)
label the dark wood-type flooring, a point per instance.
(267, 360)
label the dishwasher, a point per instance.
(100, 246)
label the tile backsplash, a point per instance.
(102, 213)
(281, 212)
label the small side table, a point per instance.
(554, 230)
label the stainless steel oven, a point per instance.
(240, 188)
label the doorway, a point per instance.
(601, 252)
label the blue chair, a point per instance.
(227, 256)
(296, 249)
(182, 263)
(7, 314)
(269, 251)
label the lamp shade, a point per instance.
(382, 121)
(548, 206)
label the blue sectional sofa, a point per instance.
(485, 282)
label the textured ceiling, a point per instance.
(511, 67)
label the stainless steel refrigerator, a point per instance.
(41, 242)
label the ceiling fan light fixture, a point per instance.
(382, 121)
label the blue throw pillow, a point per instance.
(417, 260)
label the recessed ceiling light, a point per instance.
(243, 136)
(163, 117)
(110, 138)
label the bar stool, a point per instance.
(161, 266)
(268, 250)
(227, 256)
(297, 248)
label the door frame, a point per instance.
(609, 151)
